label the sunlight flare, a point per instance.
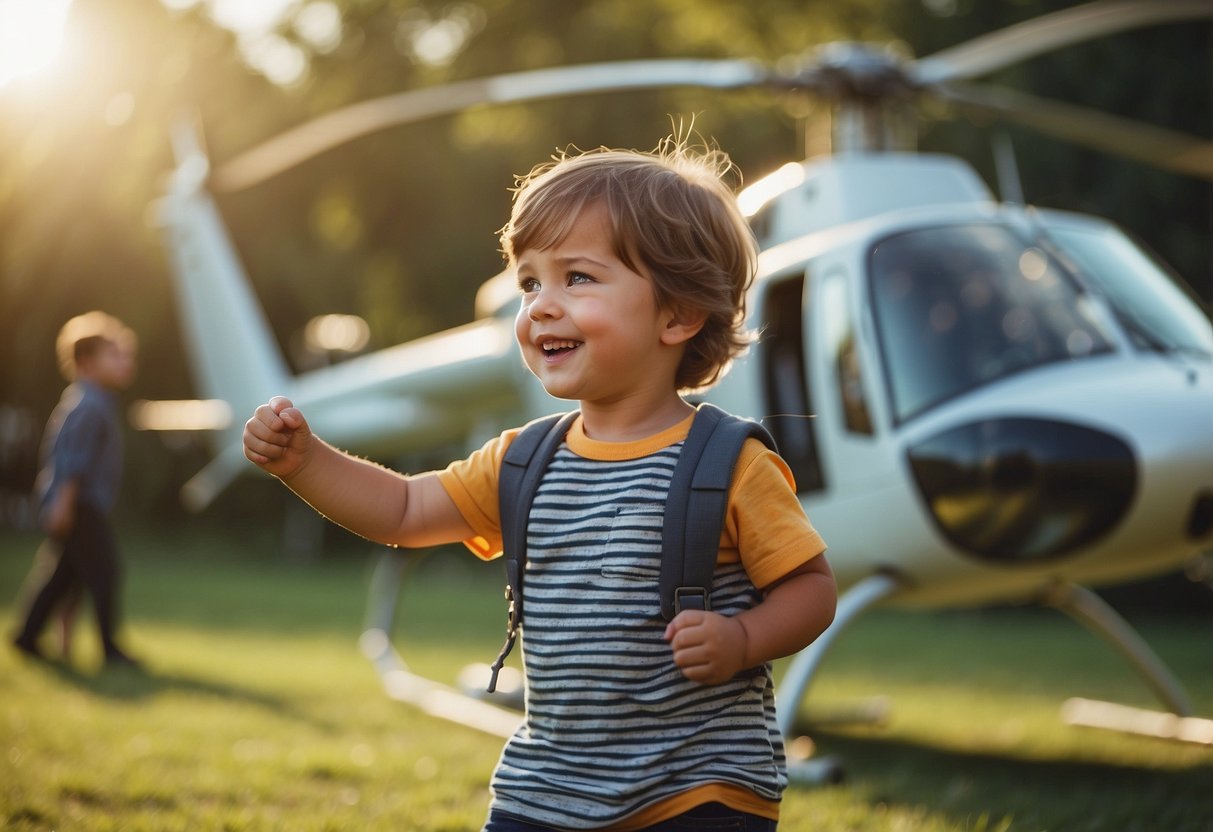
(31, 36)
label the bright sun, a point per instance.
(31, 35)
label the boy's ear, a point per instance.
(683, 325)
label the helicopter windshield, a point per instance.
(1153, 309)
(958, 307)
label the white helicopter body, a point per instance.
(870, 508)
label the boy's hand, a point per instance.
(708, 647)
(60, 516)
(277, 438)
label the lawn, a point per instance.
(256, 711)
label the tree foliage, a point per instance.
(399, 226)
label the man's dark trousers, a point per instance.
(89, 558)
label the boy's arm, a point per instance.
(60, 516)
(360, 495)
(712, 648)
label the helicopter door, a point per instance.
(785, 377)
(846, 412)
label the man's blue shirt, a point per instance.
(83, 441)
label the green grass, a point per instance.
(257, 712)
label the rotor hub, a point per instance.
(861, 71)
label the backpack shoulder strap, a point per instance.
(695, 508)
(522, 469)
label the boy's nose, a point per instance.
(543, 306)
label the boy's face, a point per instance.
(112, 366)
(589, 327)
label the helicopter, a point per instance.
(967, 390)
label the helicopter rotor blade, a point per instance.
(307, 140)
(1157, 146)
(996, 50)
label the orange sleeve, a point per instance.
(472, 484)
(766, 526)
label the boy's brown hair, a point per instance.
(82, 336)
(672, 214)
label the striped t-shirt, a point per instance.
(615, 737)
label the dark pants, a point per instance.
(710, 816)
(88, 558)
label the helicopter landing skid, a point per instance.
(1178, 722)
(869, 591)
(1078, 603)
(1091, 713)
(400, 683)
(1088, 609)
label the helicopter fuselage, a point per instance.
(972, 400)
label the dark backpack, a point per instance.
(694, 515)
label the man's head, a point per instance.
(673, 218)
(97, 347)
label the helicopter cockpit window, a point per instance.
(961, 306)
(838, 336)
(1152, 307)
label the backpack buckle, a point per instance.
(511, 619)
(691, 598)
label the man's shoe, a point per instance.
(29, 648)
(116, 658)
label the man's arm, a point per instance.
(60, 516)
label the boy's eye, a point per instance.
(529, 285)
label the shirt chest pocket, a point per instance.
(633, 549)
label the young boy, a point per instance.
(78, 483)
(633, 270)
